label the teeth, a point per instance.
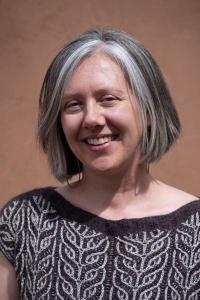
(100, 141)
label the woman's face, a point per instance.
(100, 118)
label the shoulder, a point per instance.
(15, 219)
(171, 198)
(27, 199)
(32, 193)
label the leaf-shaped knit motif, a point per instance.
(57, 254)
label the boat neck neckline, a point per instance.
(175, 213)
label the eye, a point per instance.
(109, 100)
(72, 106)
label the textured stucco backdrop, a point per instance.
(31, 32)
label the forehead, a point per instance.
(97, 69)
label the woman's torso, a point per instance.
(62, 252)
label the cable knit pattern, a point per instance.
(60, 251)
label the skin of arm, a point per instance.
(8, 283)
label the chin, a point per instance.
(104, 168)
(100, 165)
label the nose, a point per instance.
(93, 116)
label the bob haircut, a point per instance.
(161, 125)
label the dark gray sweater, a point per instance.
(62, 252)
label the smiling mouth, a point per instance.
(101, 140)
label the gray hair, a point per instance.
(161, 125)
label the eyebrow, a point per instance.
(108, 90)
(67, 96)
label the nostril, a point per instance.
(93, 127)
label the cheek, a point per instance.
(70, 125)
(127, 120)
(67, 128)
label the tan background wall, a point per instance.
(31, 32)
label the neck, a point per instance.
(115, 191)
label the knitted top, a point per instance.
(60, 251)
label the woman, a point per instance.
(114, 232)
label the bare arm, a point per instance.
(8, 283)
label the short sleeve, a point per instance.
(9, 225)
